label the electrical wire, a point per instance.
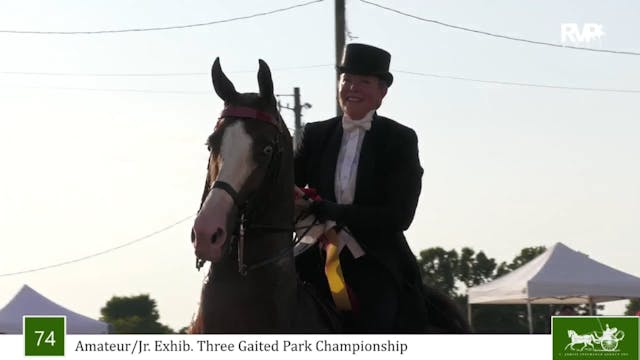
(511, 83)
(176, 74)
(497, 82)
(138, 91)
(498, 35)
(160, 28)
(87, 257)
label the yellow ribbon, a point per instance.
(333, 271)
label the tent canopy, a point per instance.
(29, 302)
(558, 276)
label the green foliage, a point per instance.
(527, 254)
(475, 269)
(438, 268)
(448, 270)
(633, 307)
(133, 315)
(445, 269)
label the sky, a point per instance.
(91, 162)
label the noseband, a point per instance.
(253, 114)
(226, 187)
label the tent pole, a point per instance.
(530, 317)
(469, 312)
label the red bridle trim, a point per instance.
(248, 113)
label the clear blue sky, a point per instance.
(506, 167)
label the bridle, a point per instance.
(270, 177)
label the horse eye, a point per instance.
(267, 150)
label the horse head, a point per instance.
(249, 166)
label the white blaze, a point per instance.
(235, 168)
(237, 157)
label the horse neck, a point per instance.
(269, 231)
(273, 211)
(264, 298)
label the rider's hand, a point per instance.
(326, 210)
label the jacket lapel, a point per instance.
(330, 157)
(366, 163)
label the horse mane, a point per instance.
(445, 315)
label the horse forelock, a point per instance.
(256, 101)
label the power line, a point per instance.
(177, 74)
(186, 92)
(160, 28)
(98, 253)
(511, 83)
(29, 73)
(497, 82)
(140, 91)
(498, 35)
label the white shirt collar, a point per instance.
(365, 123)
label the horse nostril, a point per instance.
(217, 235)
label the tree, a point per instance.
(133, 315)
(439, 269)
(448, 271)
(475, 269)
(510, 318)
(633, 307)
(527, 254)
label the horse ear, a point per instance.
(221, 84)
(265, 82)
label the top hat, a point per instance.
(361, 59)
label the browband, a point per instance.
(249, 113)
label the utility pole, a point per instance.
(297, 112)
(340, 35)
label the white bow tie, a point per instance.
(348, 124)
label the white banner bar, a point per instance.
(280, 347)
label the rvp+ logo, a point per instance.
(572, 33)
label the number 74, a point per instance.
(50, 339)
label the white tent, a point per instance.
(29, 302)
(560, 275)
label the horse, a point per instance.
(585, 340)
(245, 226)
(250, 187)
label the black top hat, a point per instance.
(361, 59)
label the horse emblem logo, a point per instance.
(608, 341)
(593, 337)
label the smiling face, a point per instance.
(360, 94)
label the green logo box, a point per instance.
(44, 335)
(595, 337)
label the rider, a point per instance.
(608, 333)
(366, 169)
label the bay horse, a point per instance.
(244, 227)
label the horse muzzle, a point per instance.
(211, 224)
